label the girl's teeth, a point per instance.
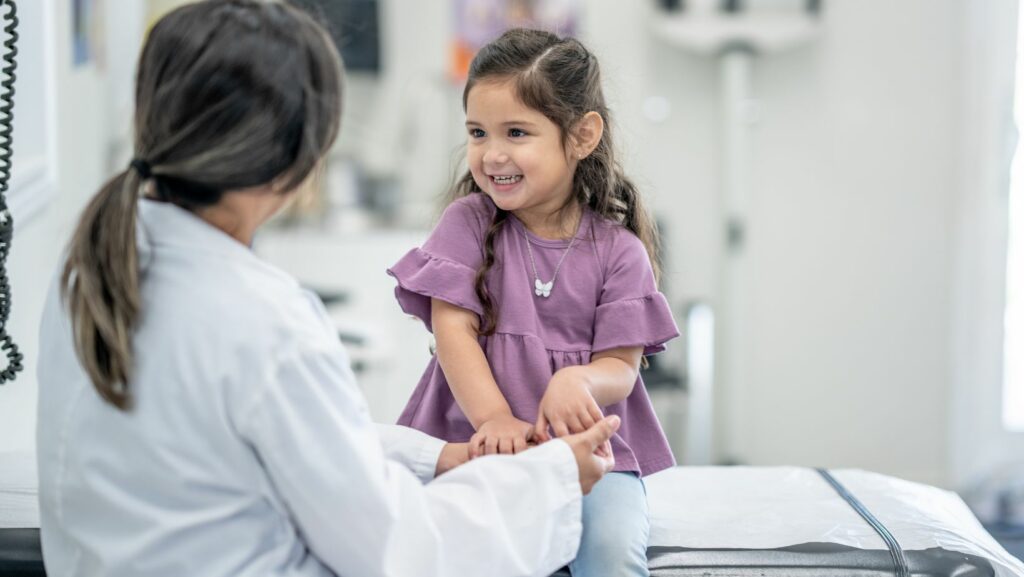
(507, 179)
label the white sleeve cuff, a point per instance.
(564, 462)
(415, 450)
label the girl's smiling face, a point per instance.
(515, 153)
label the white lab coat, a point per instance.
(250, 450)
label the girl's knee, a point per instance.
(610, 551)
(616, 542)
(615, 530)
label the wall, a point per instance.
(979, 444)
(847, 349)
(843, 324)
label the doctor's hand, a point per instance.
(567, 406)
(593, 451)
(503, 434)
(452, 455)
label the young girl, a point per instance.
(539, 286)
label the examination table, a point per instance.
(789, 521)
(718, 521)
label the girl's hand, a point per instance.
(504, 435)
(567, 406)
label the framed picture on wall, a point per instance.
(87, 32)
(477, 22)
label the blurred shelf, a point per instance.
(760, 33)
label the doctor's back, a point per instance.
(181, 379)
(173, 486)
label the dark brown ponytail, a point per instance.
(101, 286)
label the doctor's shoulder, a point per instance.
(249, 304)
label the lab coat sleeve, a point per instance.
(362, 514)
(416, 450)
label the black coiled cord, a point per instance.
(6, 222)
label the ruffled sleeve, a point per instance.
(445, 266)
(631, 312)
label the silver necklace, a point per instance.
(543, 289)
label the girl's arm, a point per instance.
(611, 374)
(472, 383)
(464, 364)
(575, 394)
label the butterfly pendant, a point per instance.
(543, 289)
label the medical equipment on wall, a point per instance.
(735, 32)
(6, 152)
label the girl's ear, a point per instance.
(587, 134)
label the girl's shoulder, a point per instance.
(617, 248)
(474, 211)
(474, 203)
(613, 236)
(467, 218)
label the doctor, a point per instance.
(197, 415)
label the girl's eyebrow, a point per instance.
(509, 123)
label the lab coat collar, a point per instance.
(163, 224)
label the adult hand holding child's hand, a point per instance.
(592, 449)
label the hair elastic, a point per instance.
(141, 167)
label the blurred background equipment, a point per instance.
(355, 28)
(736, 34)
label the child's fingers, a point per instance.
(586, 420)
(475, 446)
(574, 424)
(540, 430)
(519, 445)
(561, 430)
(542, 437)
(595, 412)
(504, 446)
(491, 446)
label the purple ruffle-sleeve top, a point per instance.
(604, 297)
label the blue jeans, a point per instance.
(615, 529)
